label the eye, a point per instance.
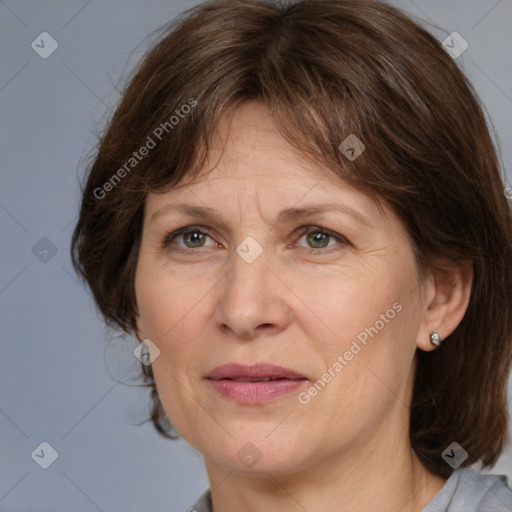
(195, 237)
(192, 236)
(319, 238)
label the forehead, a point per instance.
(250, 162)
(248, 144)
(248, 147)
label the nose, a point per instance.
(252, 300)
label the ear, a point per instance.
(446, 299)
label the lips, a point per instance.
(255, 383)
(261, 372)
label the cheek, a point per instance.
(169, 309)
(173, 315)
(362, 383)
(340, 309)
(165, 300)
(371, 328)
(162, 317)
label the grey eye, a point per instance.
(318, 239)
(194, 239)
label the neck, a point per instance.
(380, 477)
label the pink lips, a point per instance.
(255, 383)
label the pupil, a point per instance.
(195, 237)
(317, 238)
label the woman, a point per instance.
(298, 210)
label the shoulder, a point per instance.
(468, 490)
(203, 503)
(497, 495)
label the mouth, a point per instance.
(252, 384)
(268, 379)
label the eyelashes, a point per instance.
(196, 235)
(325, 234)
(170, 237)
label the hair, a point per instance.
(325, 69)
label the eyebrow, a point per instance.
(287, 215)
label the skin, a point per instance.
(300, 305)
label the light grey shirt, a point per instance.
(466, 490)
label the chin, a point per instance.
(256, 453)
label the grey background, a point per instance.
(64, 378)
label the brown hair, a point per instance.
(326, 69)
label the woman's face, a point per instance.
(291, 268)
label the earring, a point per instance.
(435, 339)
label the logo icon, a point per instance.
(45, 455)
(44, 250)
(249, 455)
(454, 455)
(352, 147)
(146, 352)
(249, 249)
(44, 45)
(455, 45)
